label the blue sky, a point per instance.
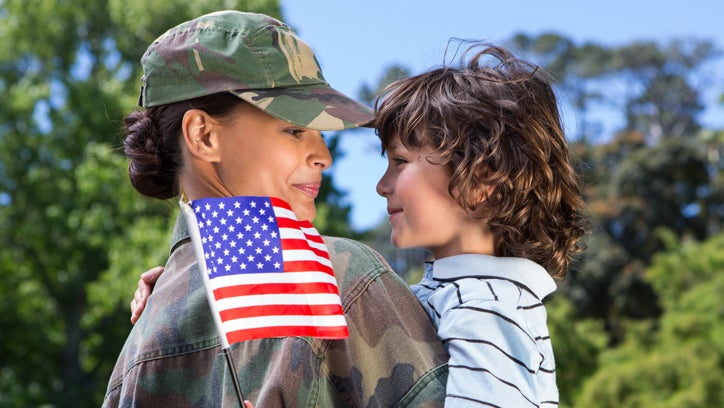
(356, 40)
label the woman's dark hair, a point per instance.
(153, 142)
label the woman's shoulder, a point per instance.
(355, 260)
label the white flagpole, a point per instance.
(201, 261)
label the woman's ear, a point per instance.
(199, 136)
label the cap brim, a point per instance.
(317, 107)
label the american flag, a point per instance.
(267, 274)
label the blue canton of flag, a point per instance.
(239, 236)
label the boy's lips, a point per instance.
(393, 211)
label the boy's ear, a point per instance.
(199, 135)
(481, 195)
(483, 192)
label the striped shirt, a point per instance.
(489, 314)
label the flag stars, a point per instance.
(239, 235)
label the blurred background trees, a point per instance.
(638, 321)
(74, 233)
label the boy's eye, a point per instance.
(399, 160)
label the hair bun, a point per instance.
(150, 167)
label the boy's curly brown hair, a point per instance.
(495, 126)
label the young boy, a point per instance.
(479, 174)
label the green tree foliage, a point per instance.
(677, 360)
(639, 189)
(655, 88)
(577, 344)
(75, 234)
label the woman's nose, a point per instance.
(321, 157)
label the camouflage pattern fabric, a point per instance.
(393, 357)
(256, 57)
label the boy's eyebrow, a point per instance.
(396, 145)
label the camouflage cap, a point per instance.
(257, 58)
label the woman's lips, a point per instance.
(311, 189)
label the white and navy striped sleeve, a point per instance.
(496, 335)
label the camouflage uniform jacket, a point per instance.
(393, 357)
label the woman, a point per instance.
(232, 105)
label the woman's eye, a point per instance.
(296, 132)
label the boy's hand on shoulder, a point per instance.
(145, 287)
